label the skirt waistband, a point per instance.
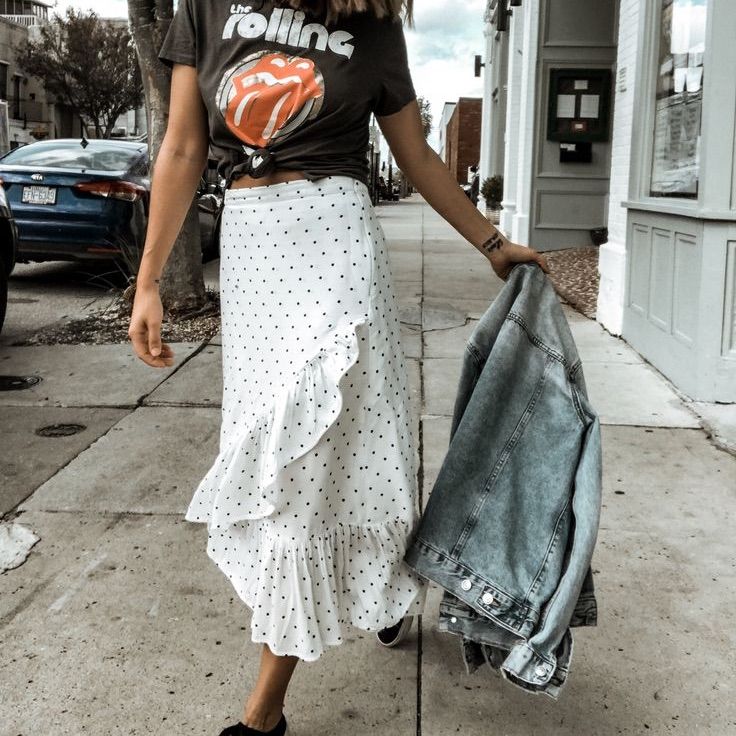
(295, 189)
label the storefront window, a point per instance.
(679, 99)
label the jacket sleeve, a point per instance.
(534, 661)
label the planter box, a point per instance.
(494, 216)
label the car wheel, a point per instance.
(212, 249)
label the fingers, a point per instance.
(538, 258)
(142, 348)
(154, 338)
(524, 253)
(165, 359)
(503, 263)
(140, 344)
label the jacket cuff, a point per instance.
(528, 669)
(586, 611)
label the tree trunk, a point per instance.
(182, 283)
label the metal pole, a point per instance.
(390, 175)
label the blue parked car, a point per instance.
(8, 251)
(76, 199)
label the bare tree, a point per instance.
(182, 285)
(87, 63)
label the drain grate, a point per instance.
(60, 430)
(18, 383)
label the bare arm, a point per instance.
(178, 168)
(433, 180)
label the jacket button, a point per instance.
(466, 584)
(487, 599)
(453, 620)
(541, 671)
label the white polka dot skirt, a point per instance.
(312, 500)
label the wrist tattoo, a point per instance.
(493, 243)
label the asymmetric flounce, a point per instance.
(299, 415)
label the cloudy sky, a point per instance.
(447, 36)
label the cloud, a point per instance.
(442, 46)
(443, 28)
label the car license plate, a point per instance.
(39, 195)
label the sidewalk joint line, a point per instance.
(194, 353)
(420, 618)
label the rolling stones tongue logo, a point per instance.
(269, 95)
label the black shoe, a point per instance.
(240, 729)
(392, 635)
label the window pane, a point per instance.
(97, 156)
(679, 99)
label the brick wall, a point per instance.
(463, 137)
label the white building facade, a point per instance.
(27, 113)
(447, 110)
(620, 116)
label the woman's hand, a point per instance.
(145, 329)
(503, 259)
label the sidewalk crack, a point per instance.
(452, 327)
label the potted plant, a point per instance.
(492, 192)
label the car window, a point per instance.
(140, 168)
(97, 156)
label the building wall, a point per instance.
(463, 137)
(568, 200)
(447, 110)
(529, 73)
(668, 270)
(36, 111)
(679, 307)
(495, 79)
(612, 255)
(517, 58)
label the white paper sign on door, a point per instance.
(565, 106)
(589, 106)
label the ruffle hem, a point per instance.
(315, 587)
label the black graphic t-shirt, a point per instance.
(284, 90)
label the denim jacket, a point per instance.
(511, 523)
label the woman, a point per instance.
(311, 501)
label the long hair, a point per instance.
(336, 8)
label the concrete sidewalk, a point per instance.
(118, 623)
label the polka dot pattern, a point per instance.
(312, 499)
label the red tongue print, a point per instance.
(269, 95)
